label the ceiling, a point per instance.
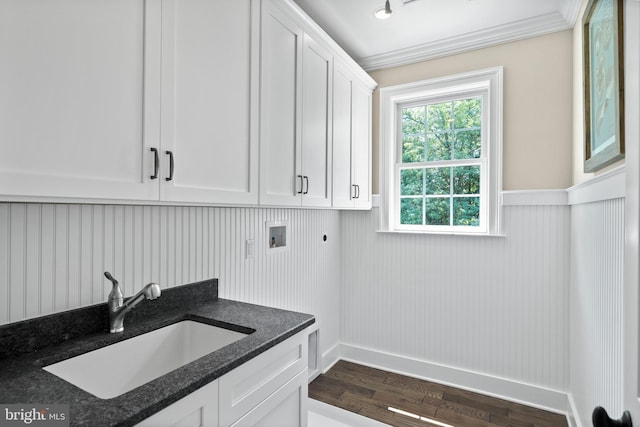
(419, 30)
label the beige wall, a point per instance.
(578, 108)
(538, 86)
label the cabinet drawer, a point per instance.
(246, 386)
(285, 408)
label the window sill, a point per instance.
(441, 233)
(376, 202)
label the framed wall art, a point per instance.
(603, 83)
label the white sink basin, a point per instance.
(115, 369)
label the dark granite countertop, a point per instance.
(25, 347)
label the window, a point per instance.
(441, 163)
(441, 154)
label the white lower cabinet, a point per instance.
(199, 409)
(287, 407)
(268, 390)
(259, 379)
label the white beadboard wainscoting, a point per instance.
(486, 313)
(493, 314)
(597, 306)
(52, 256)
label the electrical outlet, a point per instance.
(250, 248)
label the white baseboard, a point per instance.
(531, 395)
(330, 357)
(572, 413)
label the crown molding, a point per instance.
(571, 11)
(537, 26)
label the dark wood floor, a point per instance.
(371, 392)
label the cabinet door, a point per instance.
(245, 387)
(361, 162)
(209, 115)
(317, 69)
(79, 93)
(281, 52)
(287, 407)
(198, 409)
(343, 190)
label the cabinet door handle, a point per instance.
(171, 165)
(358, 188)
(156, 163)
(301, 184)
(306, 178)
(354, 191)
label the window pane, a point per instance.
(466, 180)
(468, 113)
(411, 182)
(413, 120)
(438, 181)
(466, 211)
(437, 211)
(411, 211)
(439, 146)
(468, 144)
(439, 117)
(412, 148)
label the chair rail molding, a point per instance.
(610, 185)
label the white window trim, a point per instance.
(489, 81)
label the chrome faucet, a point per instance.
(118, 308)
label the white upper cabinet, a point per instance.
(296, 87)
(209, 106)
(130, 99)
(343, 187)
(315, 168)
(227, 102)
(361, 145)
(351, 140)
(77, 113)
(280, 156)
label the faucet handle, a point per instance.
(110, 277)
(115, 293)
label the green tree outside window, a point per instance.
(432, 192)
